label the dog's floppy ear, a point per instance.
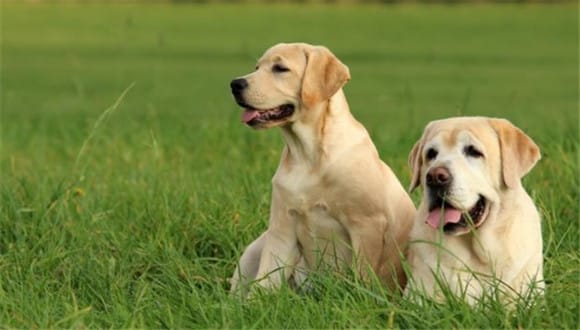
(518, 151)
(324, 75)
(415, 163)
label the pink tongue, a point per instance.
(249, 115)
(449, 216)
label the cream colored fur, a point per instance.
(334, 202)
(507, 246)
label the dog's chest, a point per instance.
(321, 237)
(298, 186)
(309, 205)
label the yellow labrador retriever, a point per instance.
(334, 202)
(475, 224)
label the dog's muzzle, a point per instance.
(259, 117)
(444, 214)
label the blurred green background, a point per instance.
(142, 228)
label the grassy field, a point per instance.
(135, 216)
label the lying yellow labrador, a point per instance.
(476, 226)
(334, 202)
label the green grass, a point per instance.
(143, 228)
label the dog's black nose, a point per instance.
(238, 85)
(439, 177)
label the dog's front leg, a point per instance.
(280, 253)
(279, 257)
(247, 268)
(368, 244)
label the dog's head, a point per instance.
(289, 80)
(465, 165)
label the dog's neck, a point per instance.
(310, 139)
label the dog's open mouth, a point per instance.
(452, 219)
(253, 117)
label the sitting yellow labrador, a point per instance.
(334, 202)
(476, 227)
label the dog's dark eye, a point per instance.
(431, 154)
(471, 151)
(279, 68)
